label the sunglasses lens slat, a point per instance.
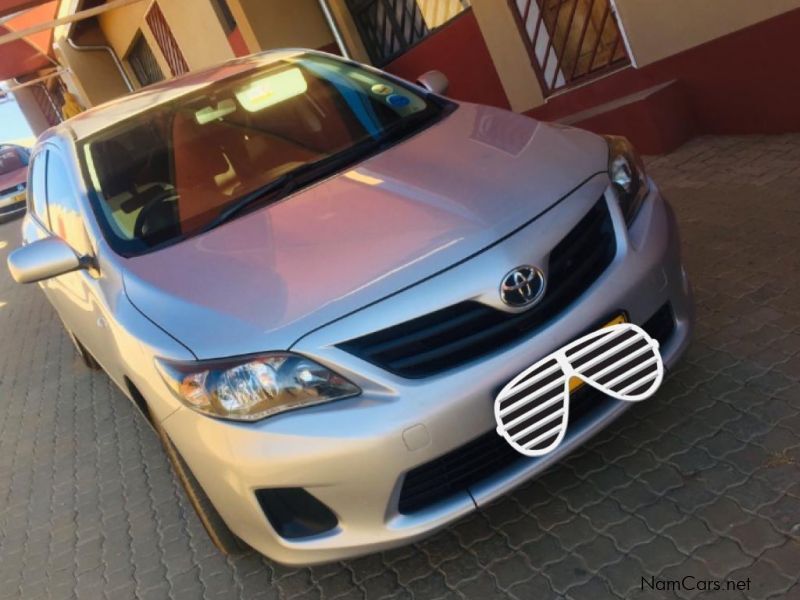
(604, 336)
(533, 396)
(531, 411)
(619, 365)
(629, 369)
(538, 425)
(537, 373)
(638, 384)
(630, 372)
(514, 420)
(626, 352)
(607, 353)
(554, 432)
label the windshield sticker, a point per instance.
(381, 89)
(398, 101)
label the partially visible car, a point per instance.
(13, 180)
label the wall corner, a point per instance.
(509, 54)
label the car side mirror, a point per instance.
(43, 259)
(434, 81)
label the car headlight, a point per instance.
(249, 389)
(627, 174)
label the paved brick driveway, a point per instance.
(704, 480)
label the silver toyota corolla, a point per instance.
(314, 278)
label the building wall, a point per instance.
(194, 24)
(30, 109)
(458, 50)
(92, 74)
(348, 30)
(508, 53)
(120, 26)
(740, 83)
(270, 24)
(198, 31)
(656, 29)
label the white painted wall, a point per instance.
(656, 29)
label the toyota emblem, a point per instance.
(523, 286)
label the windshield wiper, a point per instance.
(288, 182)
(282, 184)
(291, 180)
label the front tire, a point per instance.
(221, 536)
(86, 358)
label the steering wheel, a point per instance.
(150, 221)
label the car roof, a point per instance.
(110, 113)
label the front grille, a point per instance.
(486, 455)
(466, 331)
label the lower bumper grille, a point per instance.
(488, 454)
(294, 513)
(458, 334)
(661, 325)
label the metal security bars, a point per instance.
(166, 41)
(390, 27)
(570, 41)
(49, 102)
(144, 63)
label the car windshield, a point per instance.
(186, 166)
(11, 159)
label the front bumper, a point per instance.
(352, 455)
(12, 205)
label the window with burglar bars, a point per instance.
(570, 40)
(390, 27)
(166, 41)
(144, 63)
(47, 103)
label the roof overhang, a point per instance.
(31, 53)
(26, 31)
(9, 7)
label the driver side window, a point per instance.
(66, 220)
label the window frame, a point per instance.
(135, 61)
(376, 56)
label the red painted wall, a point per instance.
(656, 124)
(744, 82)
(332, 48)
(459, 51)
(238, 45)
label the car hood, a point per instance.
(262, 281)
